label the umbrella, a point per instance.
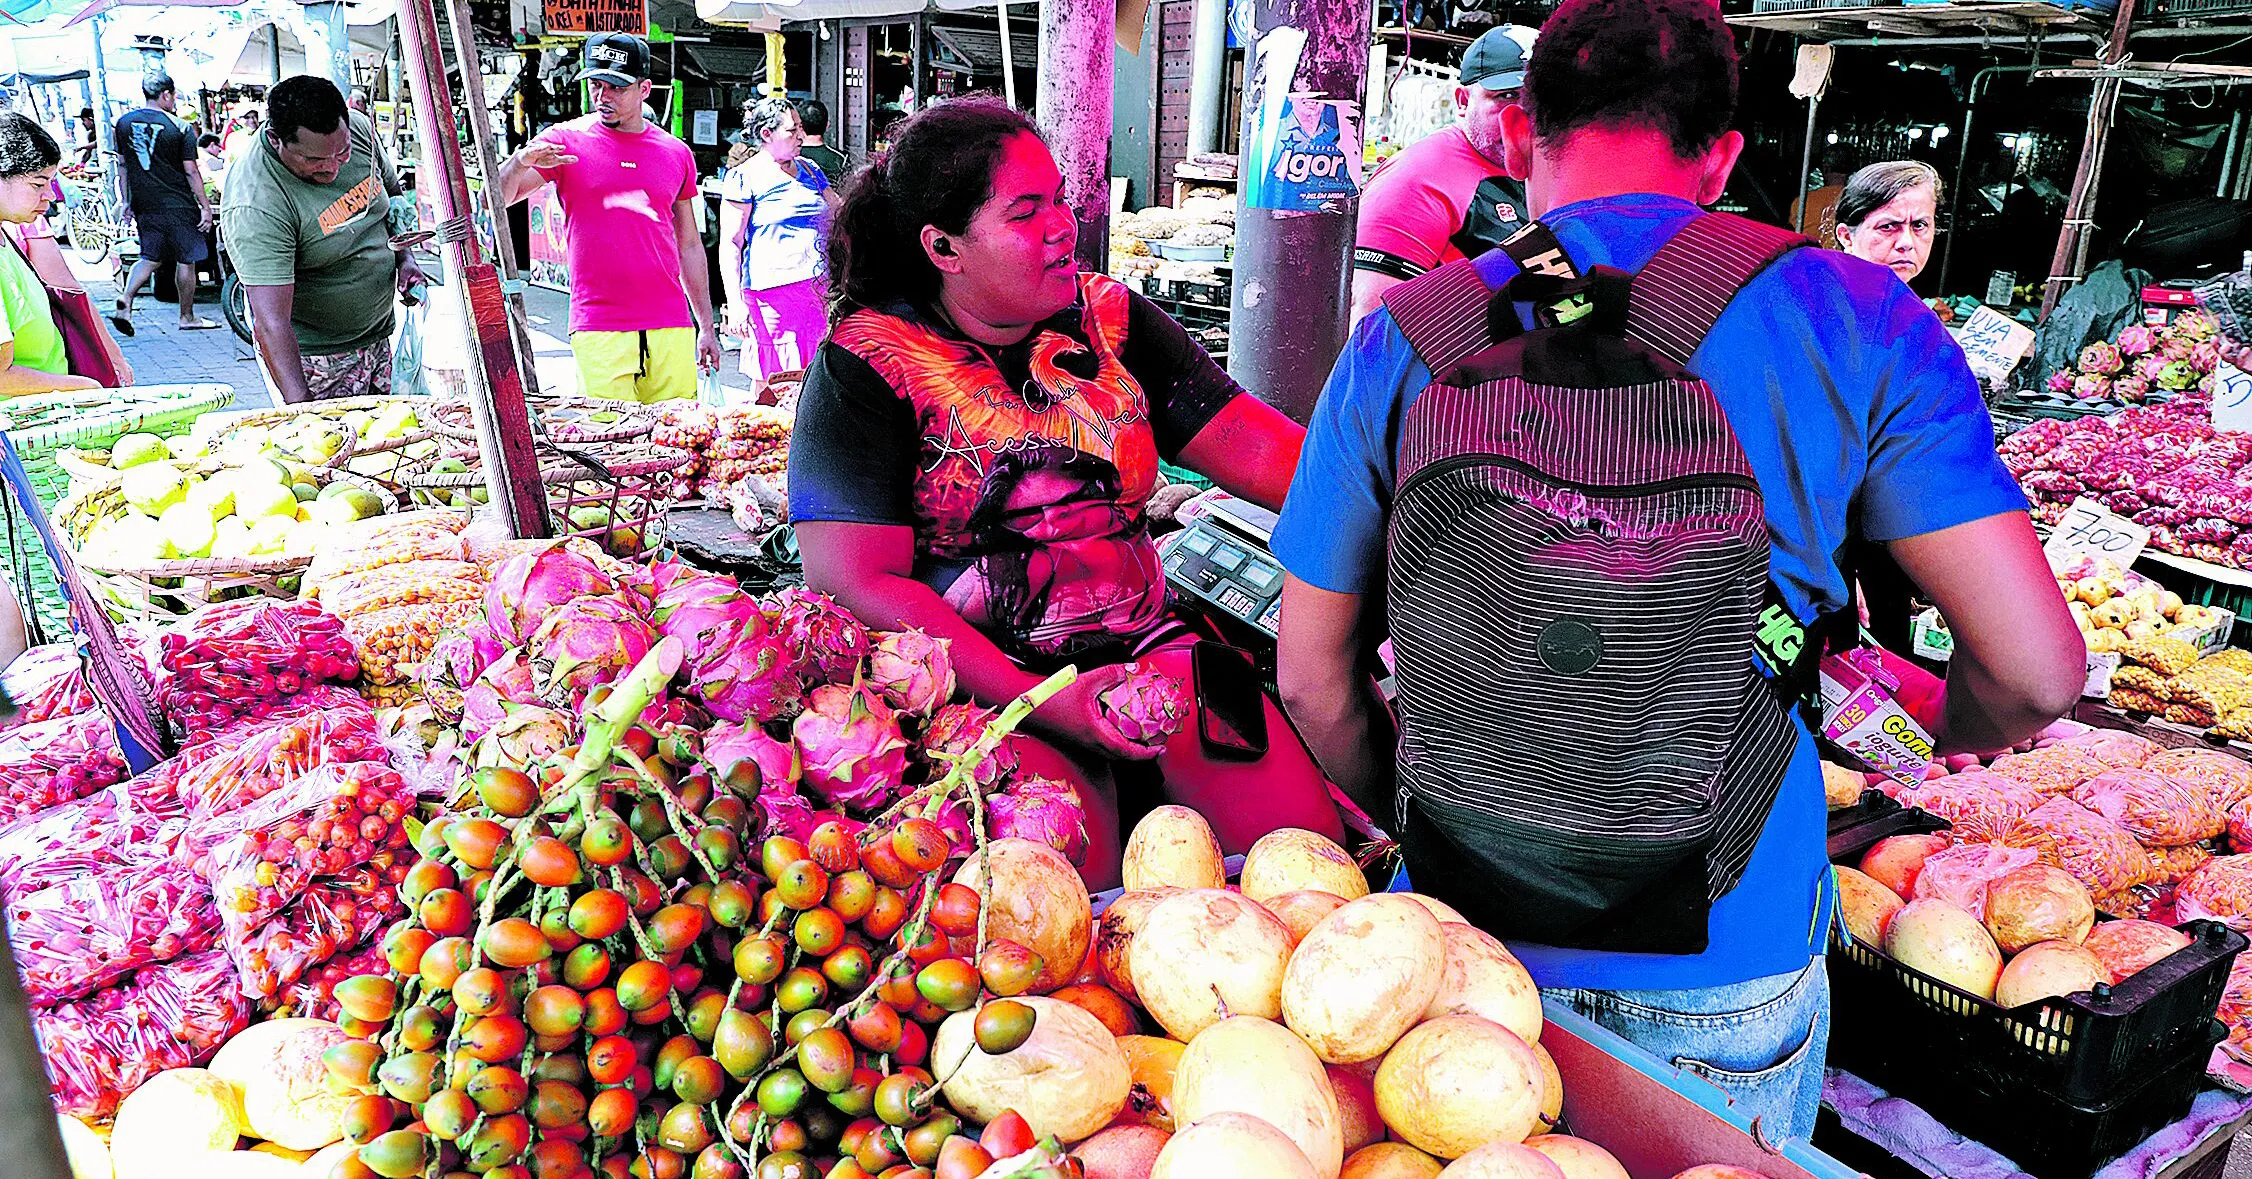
(99, 7)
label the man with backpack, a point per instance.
(1601, 535)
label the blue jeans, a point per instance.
(1762, 1042)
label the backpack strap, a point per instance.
(1680, 294)
(1443, 314)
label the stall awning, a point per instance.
(773, 16)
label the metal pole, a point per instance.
(28, 1133)
(1806, 158)
(1208, 77)
(1008, 57)
(1077, 41)
(1294, 236)
(481, 141)
(273, 51)
(496, 387)
(101, 87)
(2069, 262)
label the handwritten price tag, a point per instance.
(1993, 343)
(2090, 529)
(2232, 399)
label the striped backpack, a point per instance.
(1578, 583)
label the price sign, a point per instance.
(2090, 529)
(2232, 399)
(1993, 343)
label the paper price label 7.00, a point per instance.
(2090, 529)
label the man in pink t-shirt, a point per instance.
(1445, 196)
(641, 302)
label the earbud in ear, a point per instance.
(942, 246)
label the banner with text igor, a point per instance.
(596, 16)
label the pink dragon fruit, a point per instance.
(1147, 706)
(913, 671)
(826, 642)
(526, 735)
(787, 812)
(2091, 387)
(453, 664)
(1043, 811)
(507, 680)
(2132, 389)
(951, 732)
(2150, 366)
(2205, 356)
(953, 818)
(744, 759)
(645, 583)
(2175, 346)
(528, 586)
(2099, 358)
(584, 643)
(853, 752)
(2134, 340)
(695, 609)
(745, 674)
(2197, 323)
(2060, 382)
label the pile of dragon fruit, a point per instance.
(789, 696)
(2146, 364)
(2162, 466)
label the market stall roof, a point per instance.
(773, 16)
(1908, 22)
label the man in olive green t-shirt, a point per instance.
(307, 224)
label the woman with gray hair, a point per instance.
(773, 252)
(1887, 215)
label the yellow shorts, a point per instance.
(654, 365)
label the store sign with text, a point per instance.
(596, 16)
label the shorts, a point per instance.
(658, 364)
(171, 236)
(362, 372)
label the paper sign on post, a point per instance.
(2232, 399)
(2089, 529)
(1993, 343)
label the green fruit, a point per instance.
(187, 530)
(363, 502)
(152, 487)
(304, 492)
(134, 449)
(782, 1092)
(399, 1154)
(1004, 1024)
(741, 1043)
(409, 1078)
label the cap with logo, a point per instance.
(620, 59)
(1496, 60)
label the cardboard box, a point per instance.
(1860, 716)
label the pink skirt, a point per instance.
(787, 324)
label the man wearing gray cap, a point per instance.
(1445, 196)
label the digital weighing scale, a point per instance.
(1220, 556)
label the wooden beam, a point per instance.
(2070, 262)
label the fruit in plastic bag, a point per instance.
(2037, 903)
(2221, 890)
(1981, 806)
(326, 823)
(75, 938)
(2054, 770)
(2114, 747)
(105, 830)
(2129, 946)
(56, 761)
(45, 683)
(2095, 850)
(2174, 864)
(2226, 779)
(171, 1015)
(2155, 809)
(1959, 874)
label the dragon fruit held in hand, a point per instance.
(584, 643)
(826, 643)
(853, 752)
(528, 586)
(745, 674)
(1043, 811)
(1147, 706)
(913, 671)
(951, 732)
(695, 609)
(744, 759)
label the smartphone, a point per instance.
(1231, 707)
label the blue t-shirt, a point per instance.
(1851, 402)
(788, 219)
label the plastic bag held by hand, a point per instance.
(106, 1045)
(74, 939)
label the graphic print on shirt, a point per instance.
(144, 135)
(349, 206)
(1037, 491)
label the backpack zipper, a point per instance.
(1609, 490)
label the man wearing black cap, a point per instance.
(1445, 196)
(641, 302)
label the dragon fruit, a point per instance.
(2197, 324)
(744, 759)
(1147, 706)
(2150, 366)
(695, 609)
(644, 584)
(525, 735)
(2134, 340)
(2205, 356)
(2132, 389)
(2060, 382)
(507, 680)
(2174, 346)
(913, 671)
(584, 643)
(2178, 375)
(528, 586)
(854, 755)
(1043, 811)
(951, 732)
(2091, 386)
(2100, 358)
(745, 674)
(826, 642)
(788, 813)
(953, 818)
(452, 665)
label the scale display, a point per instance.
(1221, 557)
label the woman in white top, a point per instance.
(774, 224)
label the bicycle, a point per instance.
(93, 218)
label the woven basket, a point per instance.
(348, 439)
(381, 461)
(619, 497)
(163, 590)
(86, 473)
(563, 419)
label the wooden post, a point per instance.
(481, 141)
(2070, 262)
(1077, 44)
(1008, 57)
(496, 385)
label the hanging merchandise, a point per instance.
(1420, 103)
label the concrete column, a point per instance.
(1303, 84)
(1077, 48)
(1208, 77)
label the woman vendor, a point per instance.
(976, 441)
(1887, 215)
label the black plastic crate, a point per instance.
(2088, 1051)
(1857, 828)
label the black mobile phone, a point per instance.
(1231, 708)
